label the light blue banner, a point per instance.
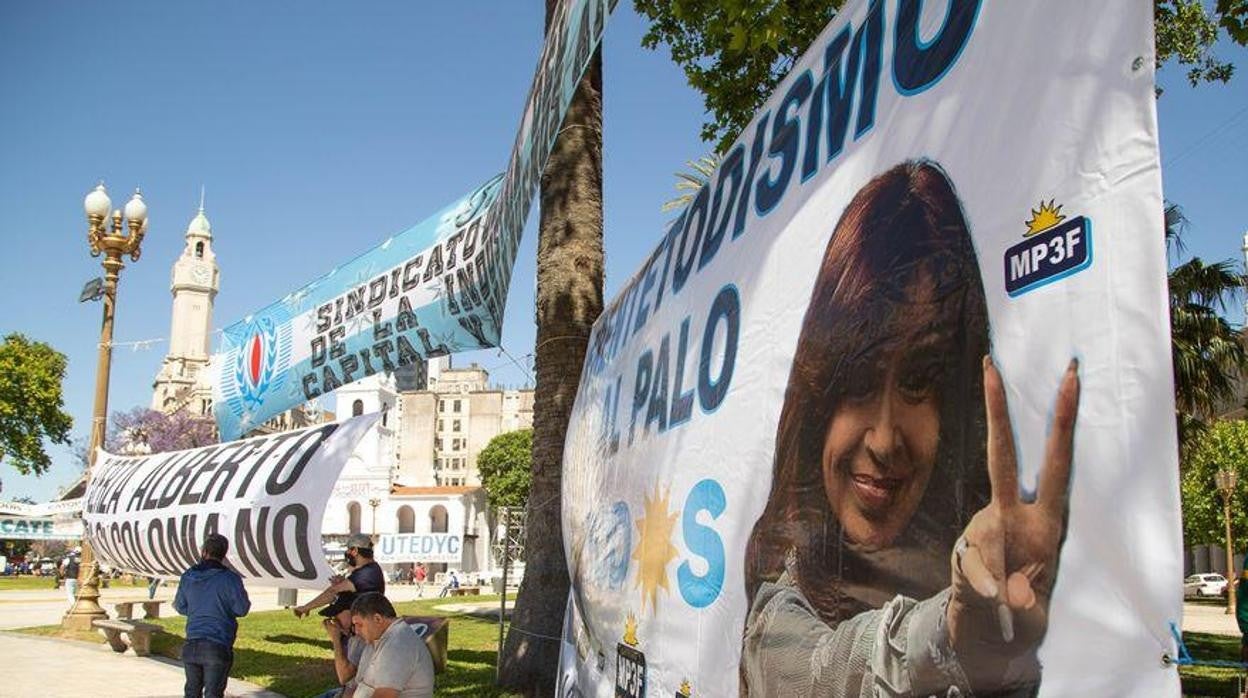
(435, 289)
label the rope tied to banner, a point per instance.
(1185, 658)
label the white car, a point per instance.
(1204, 585)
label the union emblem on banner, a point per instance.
(259, 363)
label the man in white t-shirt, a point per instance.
(396, 662)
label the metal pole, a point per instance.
(1230, 558)
(502, 604)
(86, 606)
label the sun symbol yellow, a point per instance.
(630, 630)
(1046, 217)
(686, 691)
(654, 548)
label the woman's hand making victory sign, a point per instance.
(1005, 563)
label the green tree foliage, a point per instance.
(1207, 351)
(31, 405)
(504, 465)
(735, 51)
(1223, 445)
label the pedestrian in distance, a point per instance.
(212, 598)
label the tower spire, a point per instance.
(201, 198)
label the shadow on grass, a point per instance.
(287, 639)
(281, 673)
(1211, 681)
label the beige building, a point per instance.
(444, 428)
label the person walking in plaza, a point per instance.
(396, 662)
(71, 578)
(365, 576)
(419, 575)
(212, 598)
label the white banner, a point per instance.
(68, 506)
(150, 514)
(420, 547)
(789, 470)
(43, 528)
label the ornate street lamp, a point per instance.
(124, 237)
(1226, 480)
(374, 503)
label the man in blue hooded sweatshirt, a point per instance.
(211, 596)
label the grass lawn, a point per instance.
(292, 656)
(1211, 681)
(26, 583)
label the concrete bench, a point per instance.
(465, 591)
(125, 609)
(137, 632)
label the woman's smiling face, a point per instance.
(881, 442)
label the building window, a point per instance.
(199, 250)
(357, 408)
(441, 425)
(455, 407)
(437, 444)
(455, 425)
(441, 405)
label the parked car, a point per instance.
(1204, 585)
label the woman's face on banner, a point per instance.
(881, 442)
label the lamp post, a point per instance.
(123, 237)
(1226, 480)
(374, 503)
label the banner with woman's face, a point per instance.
(852, 427)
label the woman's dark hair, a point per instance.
(905, 229)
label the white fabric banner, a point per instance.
(420, 547)
(790, 471)
(68, 506)
(150, 514)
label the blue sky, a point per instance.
(319, 132)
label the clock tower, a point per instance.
(182, 381)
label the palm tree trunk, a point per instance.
(569, 299)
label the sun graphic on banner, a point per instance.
(630, 630)
(654, 548)
(1046, 217)
(685, 690)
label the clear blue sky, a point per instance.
(318, 131)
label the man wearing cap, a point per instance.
(365, 576)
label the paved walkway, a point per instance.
(1203, 618)
(68, 668)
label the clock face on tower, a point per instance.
(201, 274)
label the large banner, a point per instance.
(889, 410)
(437, 288)
(150, 514)
(420, 547)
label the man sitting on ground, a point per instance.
(348, 649)
(366, 575)
(396, 662)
